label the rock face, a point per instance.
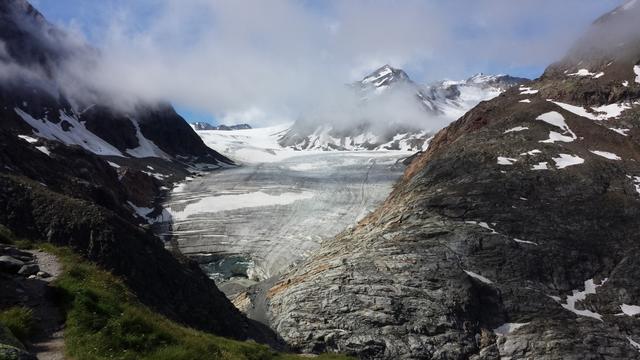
(515, 235)
(418, 112)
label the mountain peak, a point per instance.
(384, 76)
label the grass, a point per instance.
(19, 320)
(105, 321)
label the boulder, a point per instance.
(10, 264)
(29, 269)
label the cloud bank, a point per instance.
(265, 61)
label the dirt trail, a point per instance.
(49, 341)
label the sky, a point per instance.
(263, 62)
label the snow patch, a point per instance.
(556, 119)
(620, 131)
(44, 150)
(526, 101)
(146, 147)
(525, 242)
(77, 133)
(605, 112)
(527, 91)
(636, 182)
(636, 70)
(581, 295)
(630, 310)
(516, 129)
(113, 165)
(540, 166)
(483, 225)
(582, 72)
(478, 276)
(506, 161)
(531, 152)
(566, 160)
(28, 139)
(607, 155)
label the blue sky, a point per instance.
(220, 59)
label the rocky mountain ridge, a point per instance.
(88, 175)
(434, 104)
(515, 235)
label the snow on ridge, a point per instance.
(146, 147)
(78, 134)
(605, 112)
(607, 155)
(478, 276)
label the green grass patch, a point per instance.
(105, 321)
(19, 320)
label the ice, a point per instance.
(506, 161)
(146, 147)
(516, 129)
(77, 134)
(566, 160)
(478, 276)
(540, 166)
(508, 328)
(44, 150)
(556, 119)
(580, 295)
(337, 189)
(607, 155)
(219, 203)
(631, 310)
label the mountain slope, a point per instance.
(77, 175)
(515, 235)
(395, 113)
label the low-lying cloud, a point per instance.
(286, 59)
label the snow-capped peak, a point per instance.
(385, 76)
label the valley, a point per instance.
(254, 221)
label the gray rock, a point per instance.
(29, 269)
(10, 264)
